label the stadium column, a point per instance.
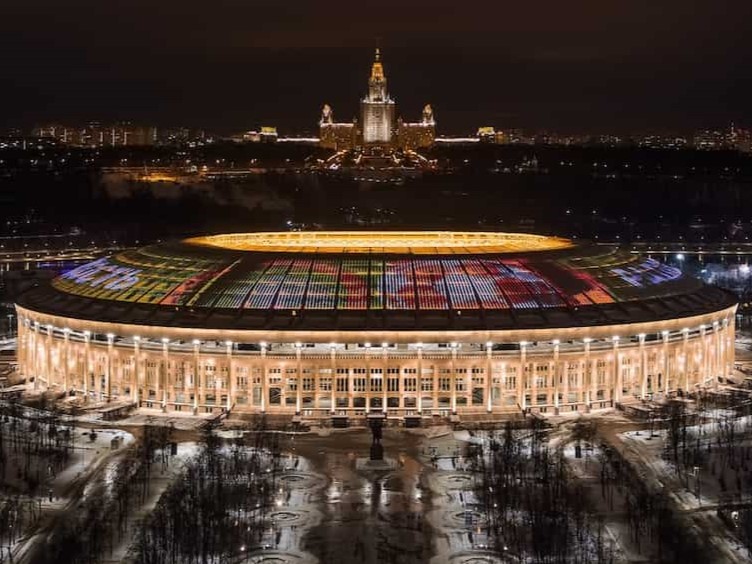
(333, 387)
(108, 373)
(23, 337)
(230, 377)
(618, 382)
(368, 379)
(384, 377)
(162, 378)
(264, 379)
(350, 388)
(28, 348)
(727, 346)
(643, 367)
(136, 379)
(87, 364)
(452, 377)
(555, 372)
(198, 388)
(315, 371)
(666, 363)
(685, 358)
(718, 355)
(593, 378)
(28, 354)
(468, 376)
(704, 364)
(419, 383)
(533, 384)
(299, 376)
(435, 369)
(711, 352)
(48, 359)
(66, 358)
(21, 345)
(401, 386)
(587, 376)
(489, 377)
(29, 351)
(521, 383)
(720, 339)
(33, 354)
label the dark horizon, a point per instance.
(230, 67)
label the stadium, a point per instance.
(349, 324)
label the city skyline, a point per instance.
(561, 67)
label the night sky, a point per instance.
(236, 64)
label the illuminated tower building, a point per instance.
(377, 109)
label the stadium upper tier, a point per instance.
(393, 242)
(398, 280)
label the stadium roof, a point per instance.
(371, 280)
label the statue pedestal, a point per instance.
(371, 467)
(377, 451)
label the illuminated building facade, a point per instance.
(95, 134)
(418, 135)
(377, 126)
(377, 108)
(416, 324)
(337, 136)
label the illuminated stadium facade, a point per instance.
(354, 323)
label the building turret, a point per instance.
(326, 115)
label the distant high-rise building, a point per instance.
(377, 125)
(377, 108)
(487, 133)
(712, 139)
(94, 134)
(741, 139)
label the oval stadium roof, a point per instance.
(379, 280)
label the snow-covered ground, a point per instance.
(89, 456)
(161, 477)
(694, 490)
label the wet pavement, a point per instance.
(333, 506)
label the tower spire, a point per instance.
(377, 69)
